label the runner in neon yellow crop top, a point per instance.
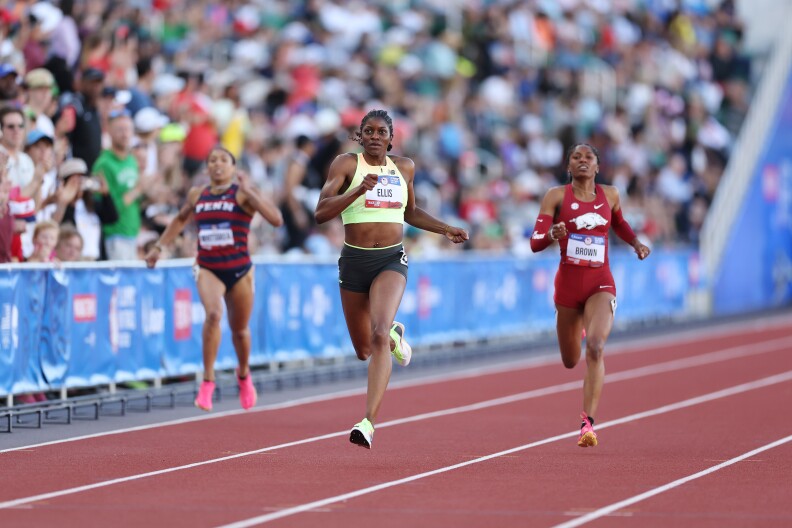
(373, 194)
(386, 202)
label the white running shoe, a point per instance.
(402, 351)
(362, 434)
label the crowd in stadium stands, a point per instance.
(110, 109)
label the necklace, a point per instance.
(219, 189)
(585, 192)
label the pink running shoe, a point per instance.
(247, 392)
(25, 398)
(587, 438)
(204, 399)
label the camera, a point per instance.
(90, 184)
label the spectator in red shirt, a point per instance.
(201, 138)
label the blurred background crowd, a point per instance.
(109, 109)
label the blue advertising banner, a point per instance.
(757, 263)
(152, 314)
(83, 326)
(92, 356)
(54, 347)
(299, 311)
(183, 317)
(22, 299)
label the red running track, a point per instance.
(498, 449)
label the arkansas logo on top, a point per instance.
(589, 221)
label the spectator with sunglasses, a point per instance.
(12, 142)
(9, 88)
(20, 171)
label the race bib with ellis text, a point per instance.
(387, 194)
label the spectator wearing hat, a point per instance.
(39, 146)
(39, 84)
(148, 124)
(121, 172)
(82, 109)
(111, 101)
(9, 89)
(84, 202)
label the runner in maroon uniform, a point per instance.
(223, 210)
(578, 216)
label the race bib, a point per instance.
(585, 250)
(216, 237)
(387, 194)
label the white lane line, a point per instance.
(287, 512)
(678, 338)
(607, 510)
(532, 362)
(658, 368)
(679, 364)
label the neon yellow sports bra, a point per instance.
(385, 202)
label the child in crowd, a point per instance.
(45, 238)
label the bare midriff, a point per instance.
(373, 234)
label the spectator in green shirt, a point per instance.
(120, 169)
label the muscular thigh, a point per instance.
(239, 301)
(386, 293)
(598, 315)
(210, 290)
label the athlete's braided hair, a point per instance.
(572, 149)
(371, 115)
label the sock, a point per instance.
(591, 421)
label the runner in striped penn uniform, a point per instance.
(223, 210)
(223, 228)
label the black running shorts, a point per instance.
(357, 268)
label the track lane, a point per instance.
(551, 483)
(106, 458)
(342, 460)
(752, 492)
